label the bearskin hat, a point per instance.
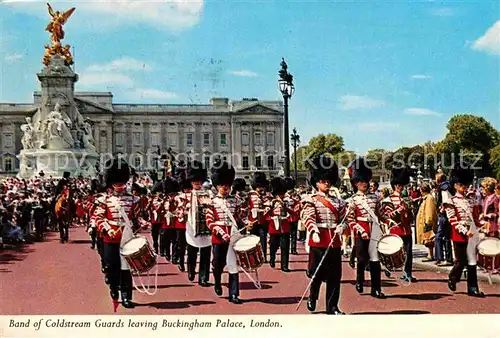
(196, 172)
(184, 184)
(223, 174)
(358, 171)
(66, 174)
(462, 173)
(170, 185)
(259, 180)
(239, 184)
(400, 176)
(289, 183)
(323, 168)
(117, 171)
(135, 187)
(278, 186)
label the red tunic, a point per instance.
(459, 212)
(107, 215)
(256, 208)
(156, 210)
(323, 213)
(169, 221)
(396, 209)
(283, 226)
(181, 211)
(218, 220)
(358, 217)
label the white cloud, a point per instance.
(490, 41)
(154, 94)
(98, 80)
(244, 73)
(351, 102)
(13, 57)
(123, 64)
(377, 126)
(170, 14)
(421, 77)
(444, 11)
(421, 112)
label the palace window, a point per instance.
(270, 138)
(270, 162)
(206, 139)
(258, 162)
(8, 164)
(245, 139)
(155, 139)
(172, 139)
(137, 162)
(245, 163)
(137, 138)
(120, 139)
(189, 139)
(7, 141)
(223, 139)
(257, 139)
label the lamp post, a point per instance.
(295, 142)
(287, 89)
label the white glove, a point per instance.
(339, 230)
(218, 230)
(315, 237)
(226, 238)
(89, 231)
(462, 229)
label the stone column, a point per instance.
(251, 155)
(146, 131)
(163, 137)
(111, 137)
(128, 138)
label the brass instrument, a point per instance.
(201, 227)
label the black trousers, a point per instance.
(261, 231)
(192, 255)
(168, 238)
(219, 262)
(408, 246)
(117, 278)
(282, 242)
(460, 263)
(180, 245)
(330, 272)
(155, 233)
(363, 260)
(39, 230)
(293, 236)
(63, 229)
(93, 236)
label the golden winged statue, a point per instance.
(55, 26)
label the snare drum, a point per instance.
(391, 252)
(249, 252)
(139, 255)
(488, 254)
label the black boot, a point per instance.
(376, 279)
(218, 288)
(127, 301)
(472, 287)
(114, 293)
(234, 288)
(311, 304)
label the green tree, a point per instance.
(469, 135)
(495, 161)
(379, 158)
(326, 144)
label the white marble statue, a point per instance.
(28, 133)
(88, 138)
(57, 132)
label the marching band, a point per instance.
(228, 229)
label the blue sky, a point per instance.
(395, 71)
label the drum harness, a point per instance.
(229, 214)
(375, 220)
(144, 288)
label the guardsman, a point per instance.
(365, 220)
(465, 229)
(168, 234)
(181, 200)
(156, 213)
(119, 216)
(222, 219)
(198, 235)
(399, 217)
(279, 225)
(239, 192)
(323, 216)
(256, 209)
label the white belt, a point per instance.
(363, 219)
(326, 225)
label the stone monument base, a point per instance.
(55, 162)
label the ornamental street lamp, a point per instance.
(295, 142)
(287, 90)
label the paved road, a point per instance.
(50, 278)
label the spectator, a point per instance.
(442, 247)
(426, 222)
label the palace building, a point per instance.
(248, 132)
